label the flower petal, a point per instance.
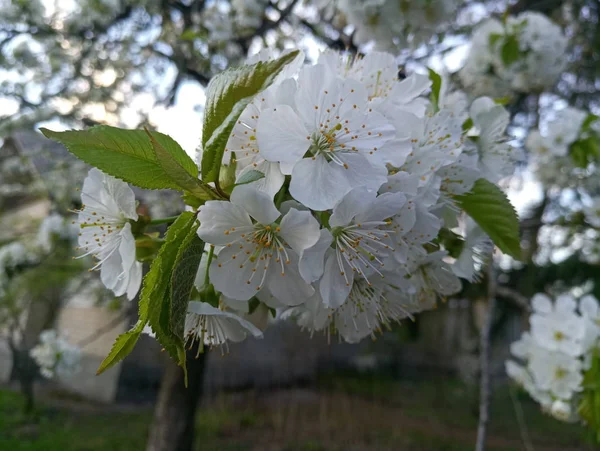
(335, 286)
(353, 204)
(288, 287)
(218, 218)
(542, 304)
(383, 207)
(300, 229)
(257, 203)
(235, 275)
(281, 135)
(318, 184)
(312, 260)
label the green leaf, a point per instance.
(494, 38)
(491, 209)
(227, 95)
(436, 86)
(183, 277)
(251, 176)
(584, 151)
(510, 52)
(121, 348)
(177, 172)
(589, 120)
(156, 293)
(589, 407)
(503, 100)
(125, 154)
(467, 125)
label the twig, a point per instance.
(517, 298)
(98, 333)
(521, 420)
(484, 357)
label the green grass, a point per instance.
(56, 430)
(378, 413)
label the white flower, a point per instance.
(557, 326)
(425, 277)
(522, 377)
(258, 252)
(564, 130)
(438, 143)
(218, 23)
(329, 142)
(243, 143)
(52, 227)
(496, 157)
(592, 212)
(361, 241)
(590, 311)
(248, 13)
(391, 22)
(477, 250)
(55, 356)
(215, 327)
(558, 373)
(108, 206)
(413, 225)
(535, 60)
(562, 410)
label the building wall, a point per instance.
(79, 323)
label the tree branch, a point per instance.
(484, 359)
(514, 296)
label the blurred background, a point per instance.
(77, 63)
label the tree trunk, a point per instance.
(24, 371)
(172, 428)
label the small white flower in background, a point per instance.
(257, 251)
(218, 23)
(562, 411)
(392, 23)
(52, 227)
(496, 156)
(108, 206)
(556, 352)
(55, 356)
(557, 373)
(248, 13)
(13, 255)
(534, 61)
(557, 326)
(564, 130)
(212, 326)
(592, 212)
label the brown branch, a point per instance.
(514, 296)
(484, 359)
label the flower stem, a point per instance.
(210, 257)
(163, 220)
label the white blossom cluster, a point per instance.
(526, 54)
(53, 227)
(13, 255)
(358, 173)
(552, 151)
(556, 352)
(393, 23)
(225, 20)
(55, 356)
